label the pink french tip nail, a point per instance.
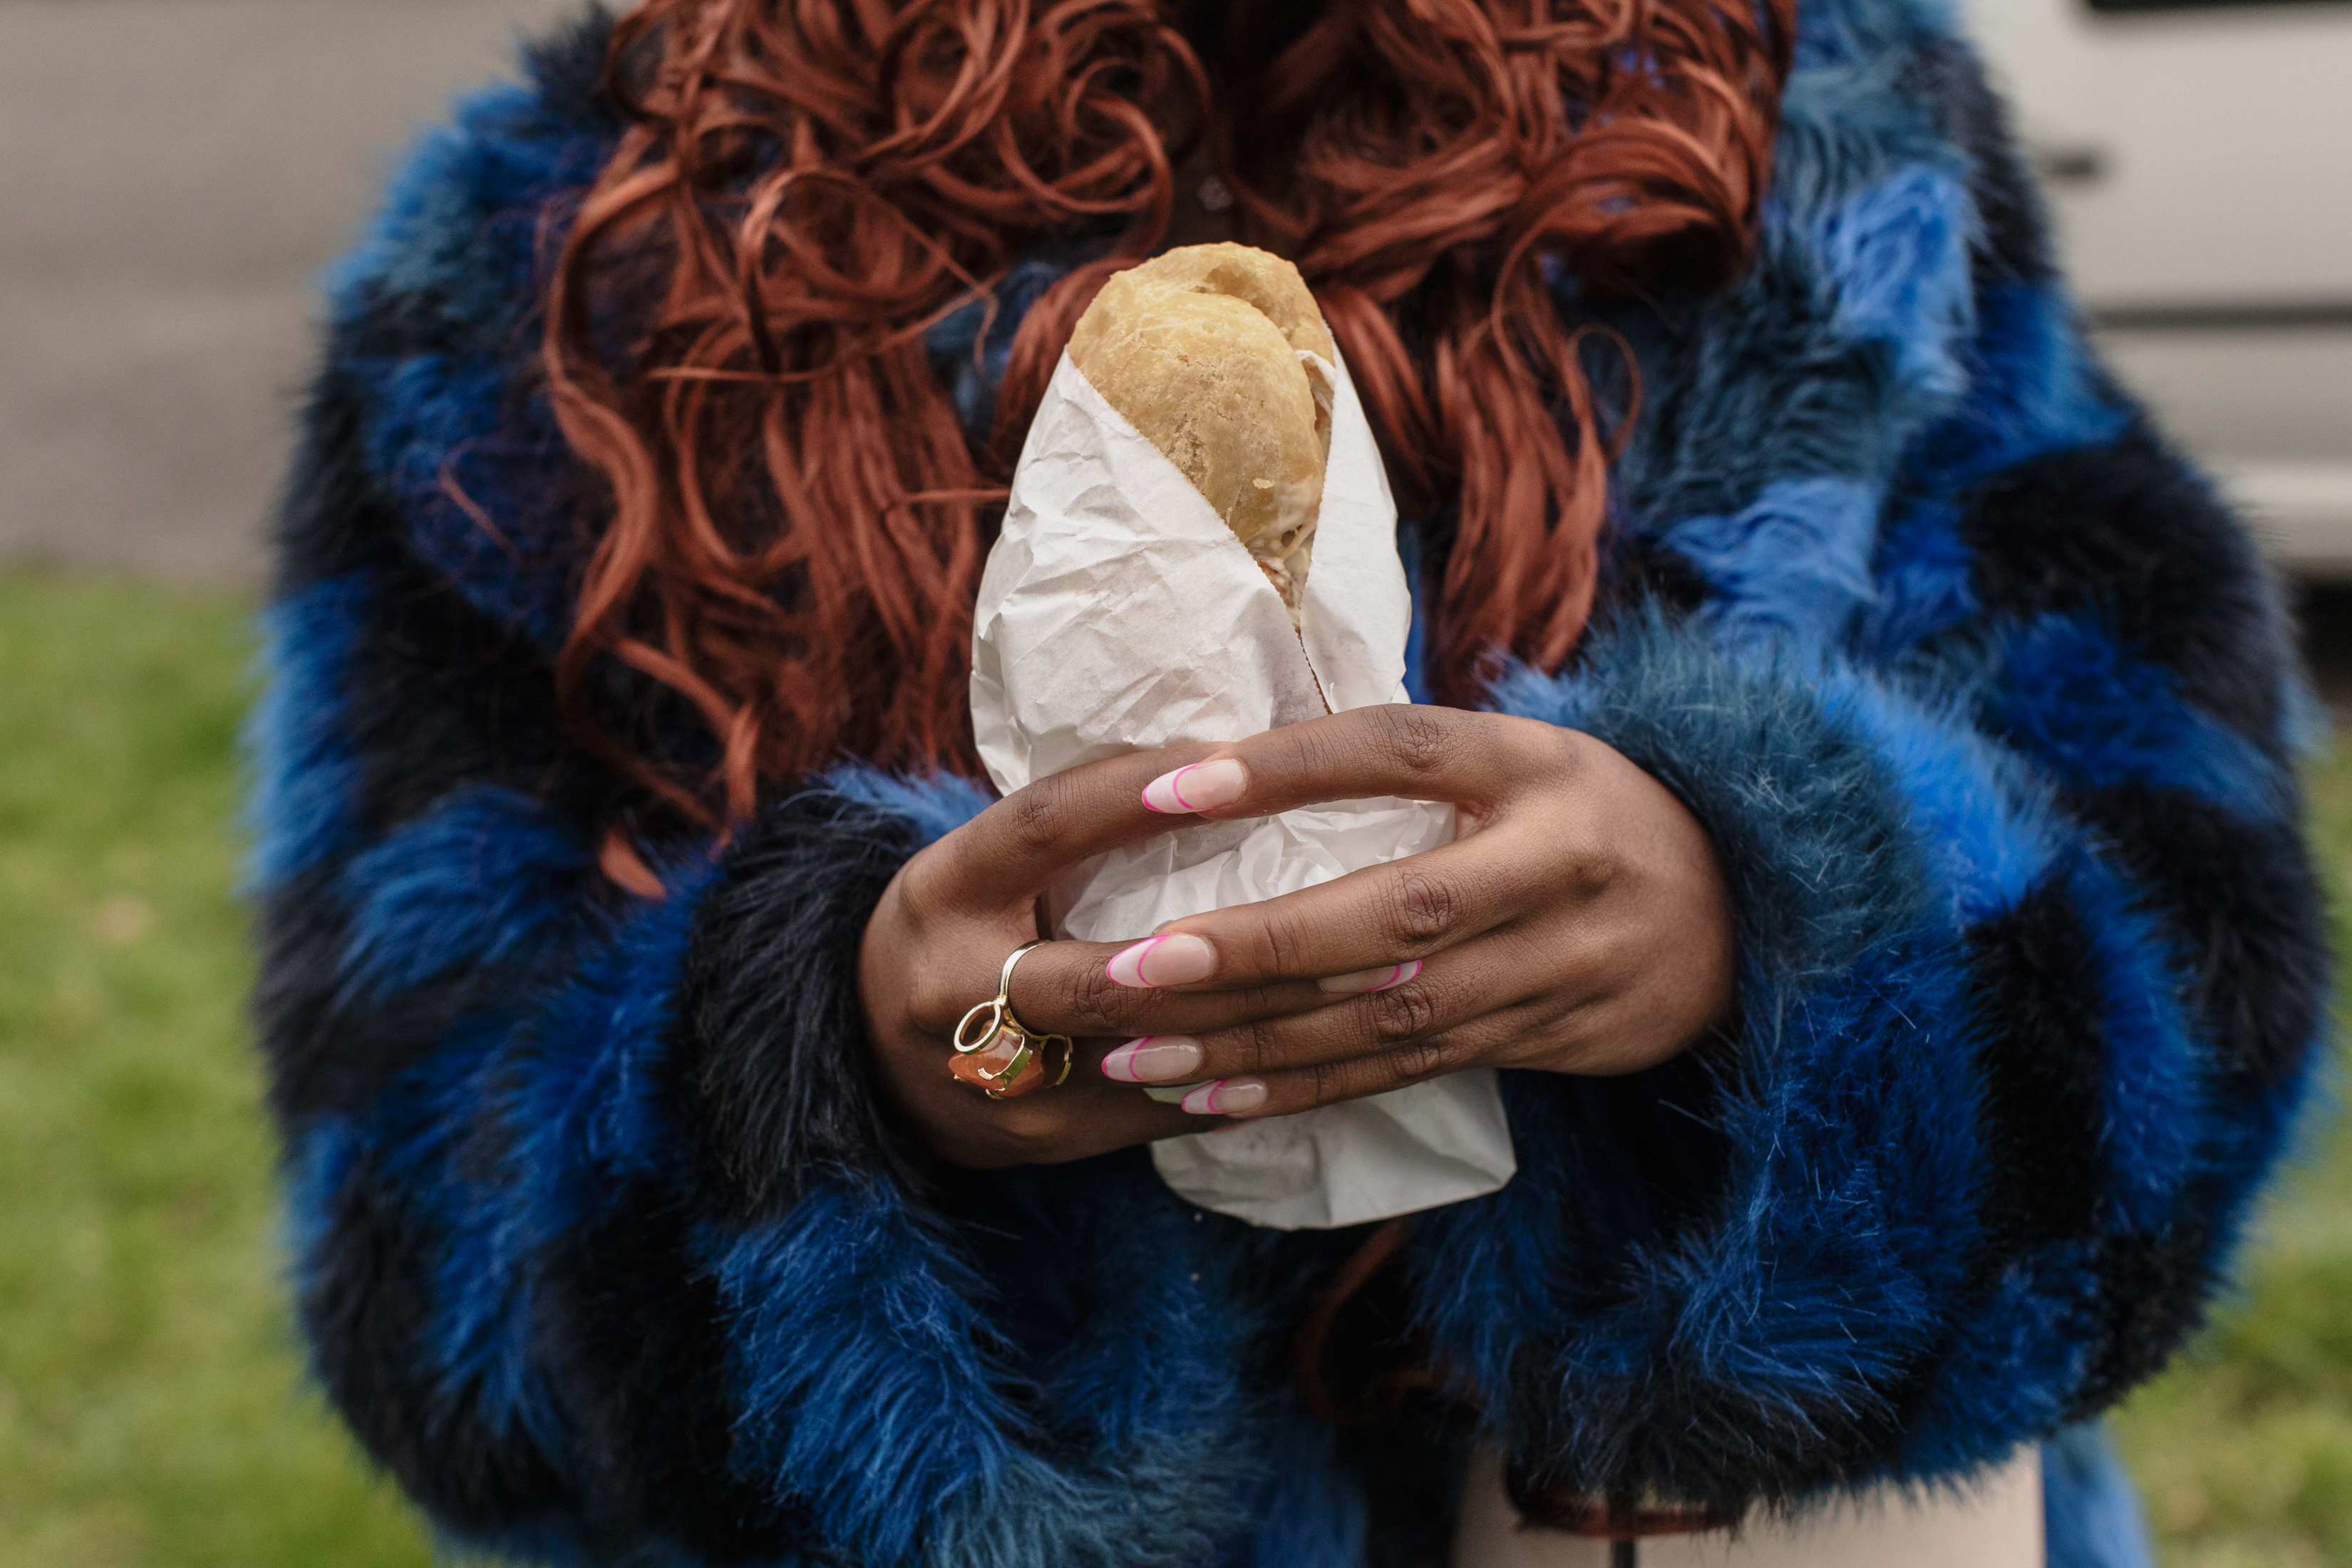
(1225, 1097)
(1162, 960)
(1368, 980)
(1197, 787)
(1155, 1058)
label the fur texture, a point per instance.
(608, 1253)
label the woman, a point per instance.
(1883, 882)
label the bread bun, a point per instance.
(1201, 351)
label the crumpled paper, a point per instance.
(1118, 614)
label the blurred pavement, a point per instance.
(179, 172)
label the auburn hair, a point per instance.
(734, 336)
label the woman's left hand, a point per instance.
(1578, 924)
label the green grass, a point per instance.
(153, 1405)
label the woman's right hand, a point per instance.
(940, 936)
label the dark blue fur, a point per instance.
(458, 240)
(610, 1253)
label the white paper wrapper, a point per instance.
(1118, 614)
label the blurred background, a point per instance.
(185, 167)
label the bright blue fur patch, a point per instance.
(1986, 825)
(576, 1100)
(1898, 252)
(2033, 391)
(936, 804)
(1790, 567)
(300, 759)
(515, 1133)
(2095, 717)
(482, 1350)
(1845, 128)
(1926, 584)
(861, 1337)
(487, 878)
(2156, 1078)
(2009, 1365)
(1816, 365)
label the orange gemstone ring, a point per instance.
(995, 1050)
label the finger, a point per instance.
(1095, 989)
(1416, 751)
(1443, 995)
(1479, 1042)
(1086, 1116)
(1349, 934)
(1022, 844)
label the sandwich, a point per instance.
(1218, 356)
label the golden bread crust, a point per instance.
(1260, 277)
(1199, 349)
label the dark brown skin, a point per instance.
(1578, 923)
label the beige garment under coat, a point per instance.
(1997, 1525)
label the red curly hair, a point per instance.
(797, 520)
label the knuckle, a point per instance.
(1418, 739)
(1311, 752)
(1539, 750)
(1422, 1059)
(1422, 910)
(1098, 1004)
(1257, 1046)
(1279, 940)
(931, 1004)
(1401, 1016)
(1034, 818)
(918, 887)
(1591, 867)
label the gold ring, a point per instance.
(992, 1023)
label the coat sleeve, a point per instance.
(601, 1239)
(1995, 744)
(597, 1240)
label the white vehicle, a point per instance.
(2195, 160)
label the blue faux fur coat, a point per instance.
(1986, 701)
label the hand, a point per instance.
(939, 935)
(1578, 924)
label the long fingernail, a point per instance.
(1225, 1097)
(1370, 979)
(1155, 1058)
(1197, 787)
(1162, 960)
